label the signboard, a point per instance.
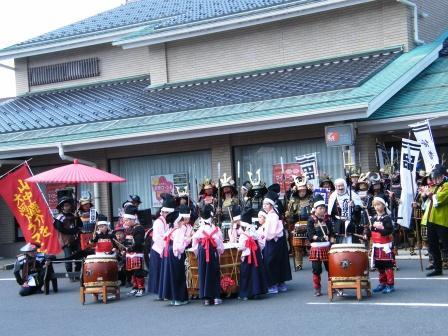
(166, 184)
(290, 169)
(341, 135)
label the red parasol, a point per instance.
(75, 173)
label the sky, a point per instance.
(24, 19)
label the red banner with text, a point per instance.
(30, 210)
(290, 169)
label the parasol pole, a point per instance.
(38, 186)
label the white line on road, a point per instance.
(415, 278)
(7, 279)
(401, 304)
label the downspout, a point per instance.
(96, 190)
(417, 40)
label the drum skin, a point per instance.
(100, 271)
(348, 260)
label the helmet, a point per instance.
(135, 199)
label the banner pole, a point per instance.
(16, 167)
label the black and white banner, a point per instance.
(308, 164)
(410, 151)
(422, 132)
(381, 155)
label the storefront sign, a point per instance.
(341, 135)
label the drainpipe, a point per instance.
(96, 190)
(417, 41)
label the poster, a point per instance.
(166, 183)
(290, 170)
(52, 195)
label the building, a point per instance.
(180, 87)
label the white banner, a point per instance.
(422, 132)
(410, 150)
(381, 155)
(308, 164)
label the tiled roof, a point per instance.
(162, 13)
(426, 94)
(323, 107)
(129, 98)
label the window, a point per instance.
(63, 72)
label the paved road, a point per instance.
(419, 306)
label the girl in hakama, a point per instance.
(253, 280)
(173, 285)
(208, 245)
(275, 252)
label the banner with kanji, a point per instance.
(30, 210)
(308, 164)
(381, 155)
(410, 151)
(422, 132)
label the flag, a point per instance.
(30, 209)
(308, 164)
(382, 158)
(410, 150)
(422, 132)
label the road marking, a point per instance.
(429, 278)
(399, 304)
(7, 279)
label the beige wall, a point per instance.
(7, 229)
(437, 21)
(373, 26)
(114, 63)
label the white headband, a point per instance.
(269, 201)
(169, 210)
(319, 203)
(128, 216)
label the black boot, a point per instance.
(434, 273)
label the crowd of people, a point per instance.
(359, 209)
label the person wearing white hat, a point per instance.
(275, 252)
(159, 228)
(382, 255)
(207, 246)
(319, 232)
(29, 270)
(134, 254)
(173, 281)
(103, 238)
(253, 281)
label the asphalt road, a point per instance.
(419, 306)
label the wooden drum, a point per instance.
(230, 270)
(299, 236)
(348, 261)
(99, 271)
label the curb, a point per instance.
(6, 267)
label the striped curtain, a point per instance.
(329, 159)
(138, 172)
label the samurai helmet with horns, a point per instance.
(256, 183)
(182, 191)
(226, 181)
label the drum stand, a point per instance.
(357, 283)
(104, 290)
